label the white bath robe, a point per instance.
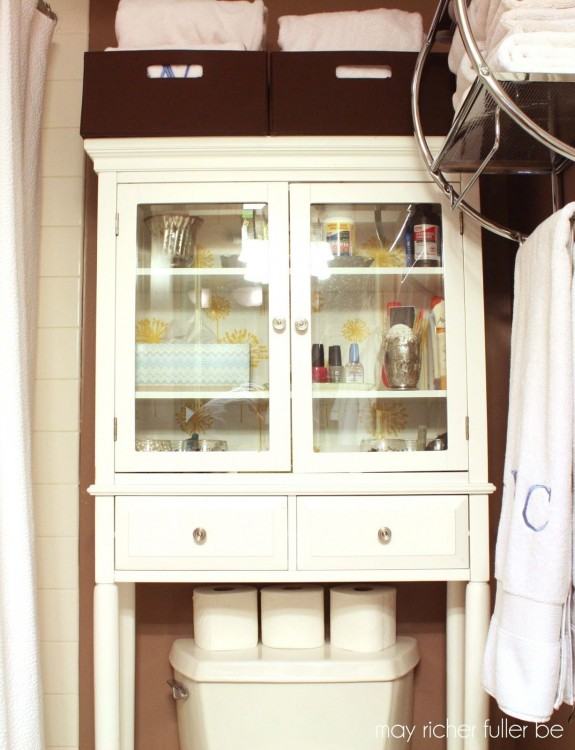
(528, 664)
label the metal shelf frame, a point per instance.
(486, 82)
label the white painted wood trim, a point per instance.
(455, 659)
(105, 328)
(104, 534)
(106, 668)
(329, 153)
(127, 624)
(479, 561)
(475, 338)
(476, 699)
(291, 576)
(293, 484)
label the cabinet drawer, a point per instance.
(165, 533)
(396, 532)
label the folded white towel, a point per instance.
(533, 561)
(535, 52)
(380, 29)
(529, 18)
(187, 23)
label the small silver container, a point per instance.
(402, 360)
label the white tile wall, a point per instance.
(56, 419)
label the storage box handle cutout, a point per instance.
(363, 71)
(176, 70)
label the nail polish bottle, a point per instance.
(319, 372)
(354, 368)
(336, 371)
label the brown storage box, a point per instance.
(306, 97)
(231, 98)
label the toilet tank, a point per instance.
(288, 699)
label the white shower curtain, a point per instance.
(25, 35)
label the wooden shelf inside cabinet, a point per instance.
(190, 271)
(328, 391)
(205, 395)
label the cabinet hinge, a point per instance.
(117, 225)
(461, 222)
(115, 428)
(467, 428)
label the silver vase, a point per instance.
(402, 360)
(174, 235)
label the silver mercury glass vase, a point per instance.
(402, 360)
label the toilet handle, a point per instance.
(384, 535)
(200, 535)
(179, 692)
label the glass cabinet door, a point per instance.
(377, 280)
(203, 342)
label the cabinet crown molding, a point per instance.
(261, 153)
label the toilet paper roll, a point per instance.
(362, 617)
(292, 616)
(226, 617)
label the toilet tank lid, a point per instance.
(263, 664)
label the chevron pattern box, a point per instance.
(192, 364)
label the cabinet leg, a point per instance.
(455, 661)
(127, 619)
(476, 699)
(106, 667)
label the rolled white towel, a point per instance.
(520, 22)
(187, 23)
(478, 13)
(529, 18)
(535, 52)
(380, 29)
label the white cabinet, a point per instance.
(235, 278)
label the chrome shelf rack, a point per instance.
(507, 124)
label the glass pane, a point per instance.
(378, 328)
(202, 328)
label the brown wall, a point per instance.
(164, 611)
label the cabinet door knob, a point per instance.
(279, 324)
(384, 535)
(301, 326)
(200, 535)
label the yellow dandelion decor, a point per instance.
(390, 419)
(355, 330)
(194, 417)
(150, 330)
(258, 351)
(219, 307)
(383, 257)
(204, 257)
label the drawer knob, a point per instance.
(301, 326)
(279, 324)
(200, 535)
(384, 535)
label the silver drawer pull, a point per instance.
(384, 535)
(200, 535)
